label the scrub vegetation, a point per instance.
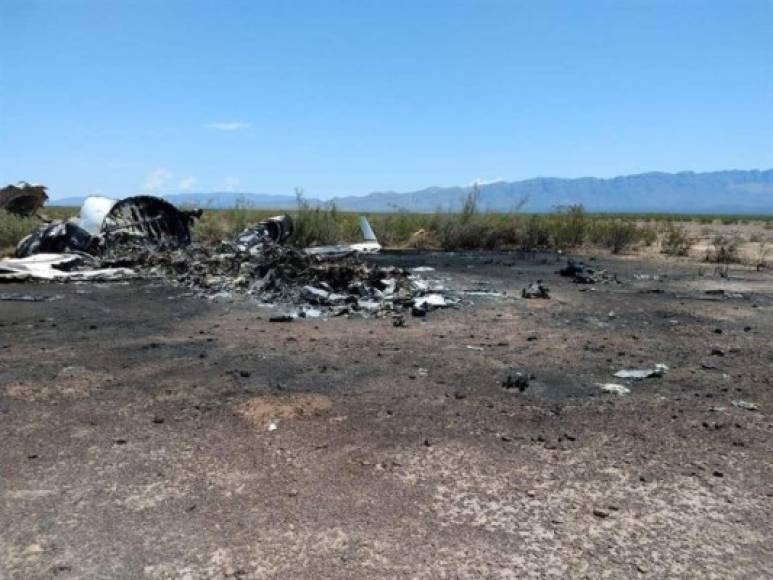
(470, 229)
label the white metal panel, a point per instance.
(93, 212)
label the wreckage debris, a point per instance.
(23, 199)
(148, 217)
(148, 237)
(303, 285)
(55, 238)
(582, 273)
(276, 230)
(536, 290)
(105, 222)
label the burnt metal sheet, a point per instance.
(149, 217)
(55, 238)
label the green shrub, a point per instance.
(317, 224)
(13, 228)
(569, 227)
(615, 235)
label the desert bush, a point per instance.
(761, 253)
(315, 224)
(723, 250)
(676, 241)
(456, 233)
(615, 235)
(569, 227)
(648, 235)
(400, 227)
(536, 233)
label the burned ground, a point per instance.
(149, 433)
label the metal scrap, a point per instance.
(536, 290)
(58, 267)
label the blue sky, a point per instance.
(348, 97)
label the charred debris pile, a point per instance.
(145, 236)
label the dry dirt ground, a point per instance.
(150, 434)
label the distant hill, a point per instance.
(687, 192)
(734, 191)
(214, 200)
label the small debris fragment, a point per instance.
(536, 290)
(614, 388)
(281, 318)
(748, 405)
(516, 381)
(658, 371)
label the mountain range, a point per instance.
(732, 191)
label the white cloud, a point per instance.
(482, 181)
(157, 178)
(231, 183)
(187, 183)
(229, 126)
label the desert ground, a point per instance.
(148, 433)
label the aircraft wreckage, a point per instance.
(146, 236)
